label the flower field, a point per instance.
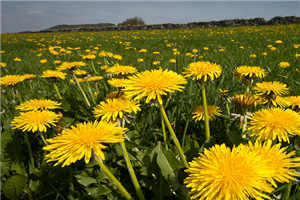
(211, 113)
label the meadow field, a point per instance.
(211, 113)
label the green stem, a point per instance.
(29, 151)
(177, 144)
(81, 90)
(227, 109)
(113, 179)
(164, 131)
(91, 92)
(43, 138)
(93, 67)
(207, 132)
(57, 90)
(131, 172)
(184, 132)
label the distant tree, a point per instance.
(132, 21)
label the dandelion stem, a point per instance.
(57, 90)
(91, 92)
(207, 132)
(131, 172)
(81, 90)
(164, 131)
(43, 138)
(177, 144)
(29, 151)
(93, 67)
(113, 179)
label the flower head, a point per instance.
(284, 64)
(275, 123)
(222, 173)
(203, 71)
(117, 82)
(38, 104)
(70, 65)
(94, 78)
(11, 79)
(113, 109)
(294, 101)
(54, 74)
(271, 88)
(83, 140)
(121, 70)
(250, 72)
(35, 121)
(280, 166)
(153, 84)
(28, 76)
(213, 111)
(245, 101)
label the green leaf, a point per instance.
(85, 180)
(163, 162)
(14, 186)
(96, 192)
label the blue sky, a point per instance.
(19, 16)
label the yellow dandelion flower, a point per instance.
(223, 92)
(195, 50)
(250, 72)
(54, 74)
(280, 166)
(70, 65)
(294, 101)
(203, 71)
(156, 52)
(113, 109)
(153, 84)
(38, 104)
(57, 62)
(274, 123)
(140, 60)
(252, 56)
(284, 64)
(143, 51)
(35, 121)
(296, 46)
(121, 70)
(264, 53)
(88, 57)
(94, 78)
(278, 42)
(3, 64)
(245, 101)
(281, 102)
(16, 59)
(117, 57)
(222, 173)
(117, 82)
(156, 62)
(80, 72)
(213, 111)
(83, 140)
(271, 88)
(11, 79)
(43, 61)
(28, 76)
(172, 60)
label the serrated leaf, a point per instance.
(96, 192)
(14, 186)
